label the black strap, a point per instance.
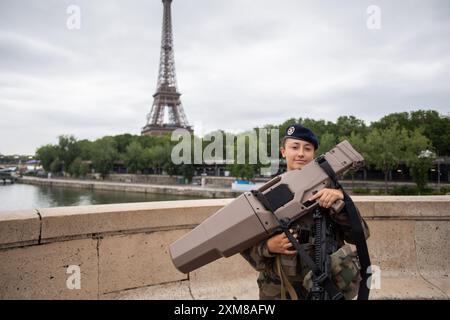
(357, 230)
(323, 163)
(284, 223)
(361, 246)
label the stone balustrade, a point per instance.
(122, 251)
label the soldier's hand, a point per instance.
(327, 197)
(280, 244)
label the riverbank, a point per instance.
(187, 190)
(26, 196)
(226, 182)
(213, 187)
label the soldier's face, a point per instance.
(298, 153)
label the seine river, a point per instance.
(24, 196)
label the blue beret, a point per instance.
(297, 131)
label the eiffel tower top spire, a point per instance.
(166, 76)
(167, 97)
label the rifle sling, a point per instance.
(356, 230)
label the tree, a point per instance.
(358, 142)
(68, 150)
(187, 171)
(78, 168)
(47, 154)
(242, 171)
(326, 142)
(104, 155)
(86, 149)
(245, 155)
(384, 149)
(123, 141)
(435, 127)
(419, 158)
(345, 125)
(158, 157)
(56, 165)
(134, 157)
(401, 119)
(319, 127)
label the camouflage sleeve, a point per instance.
(259, 256)
(343, 222)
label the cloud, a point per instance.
(240, 64)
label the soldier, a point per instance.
(282, 272)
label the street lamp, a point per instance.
(438, 160)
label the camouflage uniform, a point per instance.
(269, 281)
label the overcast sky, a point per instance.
(240, 64)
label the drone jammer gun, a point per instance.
(249, 218)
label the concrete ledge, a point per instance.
(122, 251)
(40, 272)
(170, 291)
(404, 207)
(413, 287)
(19, 228)
(124, 218)
(137, 260)
(225, 279)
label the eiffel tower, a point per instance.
(167, 97)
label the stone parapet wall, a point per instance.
(122, 251)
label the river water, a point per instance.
(24, 197)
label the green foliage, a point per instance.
(242, 171)
(434, 126)
(357, 140)
(104, 155)
(56, 166)
(395, 138)
(123, 141)
(187, 171)
(86, 149)
(244, 166)
(47, 155)
(445, 190)
(68, 150)
(346, 125)
(319, 127)
(135, 157)
(413, 191)
(385, 148)
(158, 158)
(361, 191)
(78, 168)
(327, 142)
(418, 158)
